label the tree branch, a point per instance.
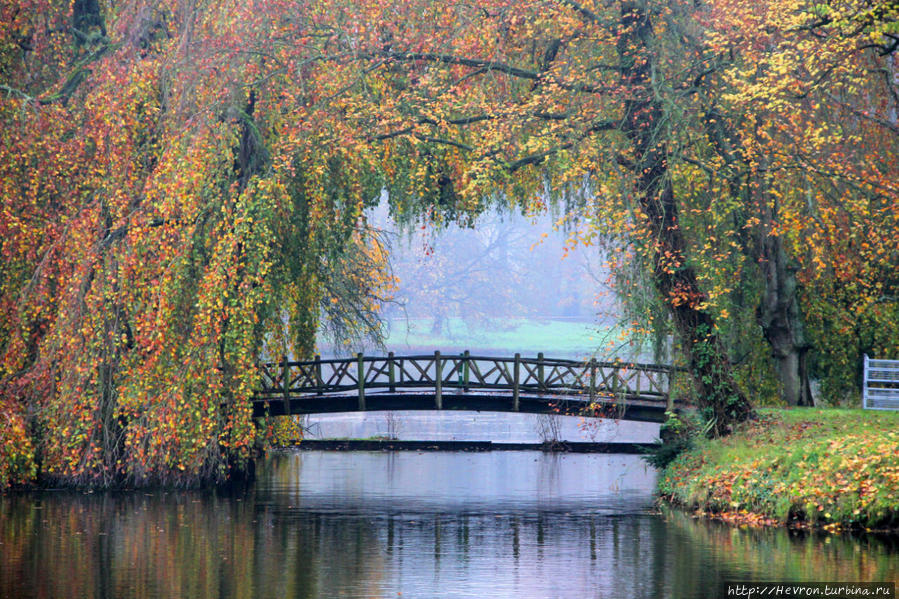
(490, 65)
(487, 65)
(864, 114)
(446, 142)
(541, 156)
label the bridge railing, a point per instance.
(540, 375)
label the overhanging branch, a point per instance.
(489, 66)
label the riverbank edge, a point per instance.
(806, 468)
(401, 445)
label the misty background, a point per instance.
(509, 283)
(505, 285)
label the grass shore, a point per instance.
(829, 468)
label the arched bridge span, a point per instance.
(629, 391)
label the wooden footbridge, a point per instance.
(538, 385)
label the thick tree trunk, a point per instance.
(778, 312)
(781, 320)
(87, 19)
(675, 281)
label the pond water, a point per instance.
(461, 425)
(408, 524)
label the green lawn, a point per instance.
(555, 338)
(824, 467)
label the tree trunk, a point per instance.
(437, 325)
(778, 311)
(781, 319)
(675, 281)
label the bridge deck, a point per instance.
(464, 382)
(473, 400)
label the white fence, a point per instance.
(880, 389)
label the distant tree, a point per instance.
(497, 269)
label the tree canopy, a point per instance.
(184, 186)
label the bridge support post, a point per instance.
(616, 378)
(466, 357)
(541, 380)
(669, 395)
(516, 371)
(438, 381)
(360, 378)
(592, 380)
(391, 375)
(318, 374)
(285, 384)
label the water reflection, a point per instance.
(772, 554)
(507, 481)
(462, 425)
(330, 524)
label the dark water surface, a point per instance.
(363, 524)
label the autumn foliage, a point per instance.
(184, 183)
(165, 222)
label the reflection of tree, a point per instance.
(778, 554)
(205, 545)
(172, 545)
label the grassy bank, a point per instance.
(806, 467)
(557, 338)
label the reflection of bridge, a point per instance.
(464, 382)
